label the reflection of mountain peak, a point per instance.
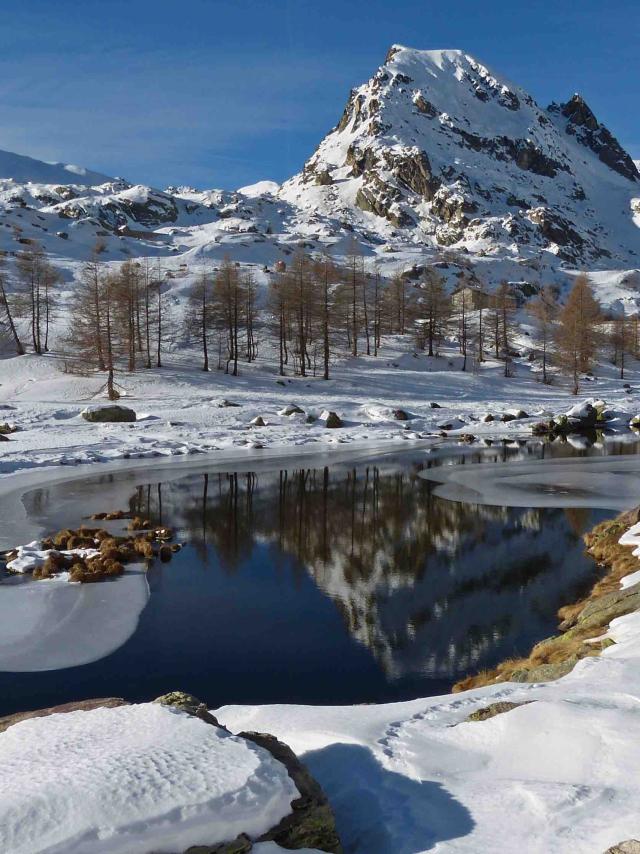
(432, 588)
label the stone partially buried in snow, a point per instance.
(514, 415)
(331, 419)
(291, 409)
(108, 414)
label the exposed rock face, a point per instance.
(601, 611)
(311, 825)
(629, 846)
(557, 230)
(122, 207)
(587, 129)
(437, 146)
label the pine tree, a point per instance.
(434, 309)
(621, 336)
(38, 279)
(199, 315)
(504, 308)
(90, 337)
(229, 307)
(325, 275)
(5, 306)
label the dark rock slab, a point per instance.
(109, 414)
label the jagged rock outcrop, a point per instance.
(582, 124)
(438, 146)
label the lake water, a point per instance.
(349, 583)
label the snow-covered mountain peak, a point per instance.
(435, 150)
(438, 148)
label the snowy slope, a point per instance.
(24, 170)
(438, 148)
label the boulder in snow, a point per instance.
(513, 415)
(291, 409)
(331, 419)
(109, 414)
(400, 415)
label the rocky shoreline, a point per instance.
(583, 624)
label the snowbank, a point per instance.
(133, 779)
(557, 773)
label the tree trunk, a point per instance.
(12, 328)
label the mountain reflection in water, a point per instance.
(432, 588)
(341, 584)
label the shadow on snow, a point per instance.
(381, 812)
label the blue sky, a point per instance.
(225, 92)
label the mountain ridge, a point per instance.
(434, 154)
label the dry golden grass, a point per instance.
(114, 551)
(574, 641)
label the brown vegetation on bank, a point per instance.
(144, 543)
(582, 623)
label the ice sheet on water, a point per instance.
(603, 482)
(51, 624)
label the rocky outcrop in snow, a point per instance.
(437, 144)
(154, 776)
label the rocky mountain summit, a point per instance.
(441, 149)
(434, 152)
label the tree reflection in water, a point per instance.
(433, 588)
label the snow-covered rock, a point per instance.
(133, 779)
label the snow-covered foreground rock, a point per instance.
(556, 773)
(134, 779)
